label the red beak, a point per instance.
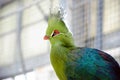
(46, 37)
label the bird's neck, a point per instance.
(60, 51)
(58, 58)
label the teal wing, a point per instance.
(91, 64)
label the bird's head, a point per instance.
(57, 32)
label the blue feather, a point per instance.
(91, 64)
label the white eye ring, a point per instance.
(52, 34)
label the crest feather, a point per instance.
(57, 13)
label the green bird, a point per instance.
(77, 63)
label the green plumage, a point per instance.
(73, 63)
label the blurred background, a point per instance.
(24, 55)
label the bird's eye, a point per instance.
(55, 32)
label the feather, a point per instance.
(74, 63)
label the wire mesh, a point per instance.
(94, 23)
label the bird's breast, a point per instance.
(58, 60)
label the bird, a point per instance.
(77, 63)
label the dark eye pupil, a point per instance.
(53, 34)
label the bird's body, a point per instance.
(74, 63)
(84, 64)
